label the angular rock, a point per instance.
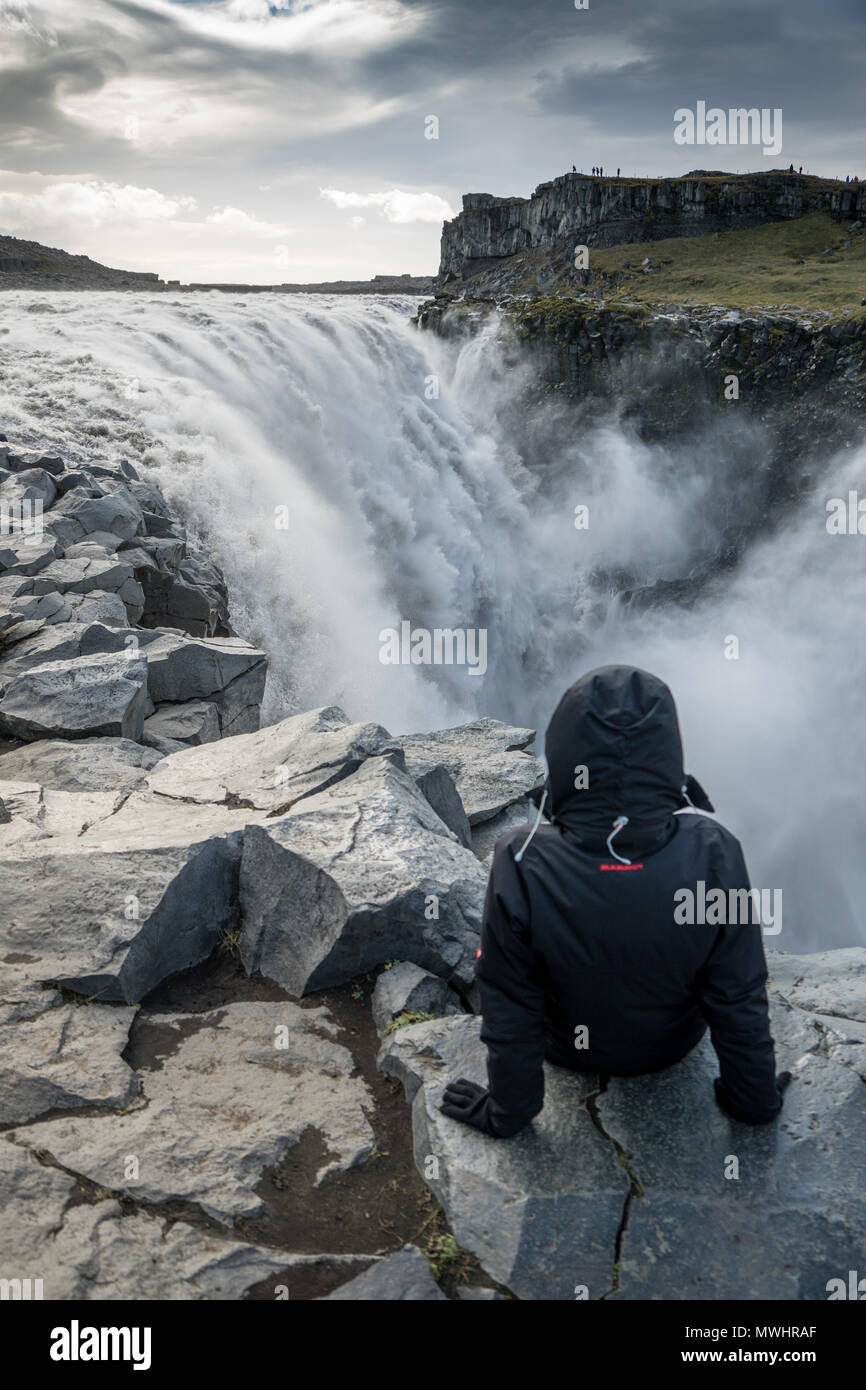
(352, 877)
(79, 576)
(79, 481)
(105, 541)
(406, 988)
(49, 462)
(486, 833)
(36, 812)
(239, 704)
(275, 767)
(402, 1278)
(165, 554)
(97, 607)
(227, 669)
(163, 746)
(828, 982)
(796, 1215)
(86, 765)
(118, 513)
(437, 785)
(542, 1210)
(31, 484)
(170, 601)
(89, 695)
(62, 1056)
(791, 1218)
(486, 759)
(27, 554)
(41, 608)
(192, 723)
(95, 1251)
(236, 1088)
(137, 897)
(67, 641)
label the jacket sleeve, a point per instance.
(512, 1000)
(732, 992)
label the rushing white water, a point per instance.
(457, 511)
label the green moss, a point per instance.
(406, 1019)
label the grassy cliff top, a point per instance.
(778, 265)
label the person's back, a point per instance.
(589, 953)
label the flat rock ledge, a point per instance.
(641, 1188)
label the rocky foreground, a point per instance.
(149, 827)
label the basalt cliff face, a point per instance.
(600, 212)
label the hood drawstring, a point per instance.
(520, 853)
(617, 827)
(684, 793)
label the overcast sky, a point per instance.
(247, 140)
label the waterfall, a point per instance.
(430, 482)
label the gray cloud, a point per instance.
(259, 117)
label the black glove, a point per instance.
(783, 1081)
(470, 1104)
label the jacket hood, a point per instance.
(614, 749)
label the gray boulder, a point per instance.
(192, 723)
(68, 641)
(43, 608)
(437, 785)
(139, 895)
(273, 768)
(86, 765)
(18, 463)
(226, 669)
(81, 575)
(39, 812)
(406, 988)
(30, 484)
(87, 696)
(27, 554)
(117, 513)
(402, 1278)
(234, 1090)
(105, 541)
(831, 983)
(83, 1250)
(56, 1056)
(356, 875)
(97, 607)
(486, 833)
(608, 1194)
(486, 759)
(169, 601)
(542, 1210)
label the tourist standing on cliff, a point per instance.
(590, 956)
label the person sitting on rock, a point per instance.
(586, 958)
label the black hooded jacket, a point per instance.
(582, 959)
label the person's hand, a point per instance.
(783, 1081)
(469, 1103)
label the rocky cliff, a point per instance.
(30, 265)
(602, 212)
